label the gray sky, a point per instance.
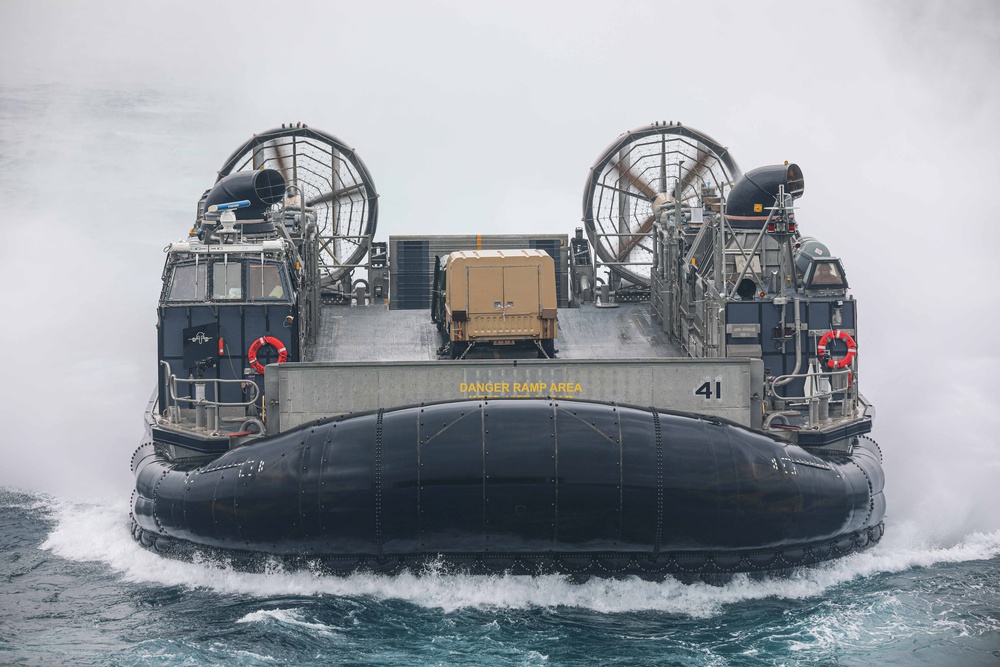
(478, 118)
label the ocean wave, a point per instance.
(288, 617)
(19, 499)
(87, 532)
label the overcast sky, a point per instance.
(464, 110)
(476, 118)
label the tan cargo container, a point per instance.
(501, 297)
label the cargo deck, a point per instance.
(371, 357)
(376, 333)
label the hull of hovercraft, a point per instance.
(532, 485)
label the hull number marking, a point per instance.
(710, 390)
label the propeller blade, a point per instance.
(625, 248)
(699, 164)
(631, 178)
(330, 196)
(268, 153)
(281, 163)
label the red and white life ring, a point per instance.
(261, 342)
(847, 359)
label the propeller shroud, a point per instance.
(334, 183)
(641, 171)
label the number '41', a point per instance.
(706, 390)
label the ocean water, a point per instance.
(77, 590)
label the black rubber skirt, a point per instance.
(526, 485)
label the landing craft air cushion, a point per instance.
(691, 408)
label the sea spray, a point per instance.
(89, 532)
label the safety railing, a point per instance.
(206, 410)
(823, 395)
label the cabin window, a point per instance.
(265, 282)
(826, 275)
(227, 280)
(188, 283)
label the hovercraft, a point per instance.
(674, 394)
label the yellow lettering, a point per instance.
(505, 388)
(577, 388)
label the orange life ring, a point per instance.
(845, 361)
(261, 342)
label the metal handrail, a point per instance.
(817, 412)
(172, 381)
(782, 380)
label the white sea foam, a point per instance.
(292, 617)
(24, 500)
(85, 532)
